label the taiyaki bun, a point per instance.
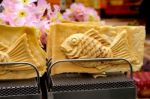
(73, 41)
(87, 45)
(93, 45)
(20, 44)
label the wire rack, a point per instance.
(22, 88)
(84, 86)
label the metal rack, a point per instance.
(82, 86)
(23, 88)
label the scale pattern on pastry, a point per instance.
(91, 44)
(70, 40)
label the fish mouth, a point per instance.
(66, 50)
(73, 54)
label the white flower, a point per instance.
(26, 2)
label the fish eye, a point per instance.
(74, 41)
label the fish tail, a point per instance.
(20, 52)
(3, 47)
(120, 47)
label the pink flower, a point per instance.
(27, 13)
(6, 19)
(24, 16)
(68, 15)
(55, 15)
(40, 9)
(25, 2)
(43, 25)
(91, 15)
(78, 12)
(43, 38)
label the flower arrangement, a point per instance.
(40, 14)
(78, 12)
(37, 13)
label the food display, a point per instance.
(74, 49)
(20, 44)
(75, 41)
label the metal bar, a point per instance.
(48, 62)
(25, 63)
(87, 60)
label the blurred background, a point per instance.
(114, 12)
(106, 7)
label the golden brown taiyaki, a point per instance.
(20, 44)
(18, 52)
(92, 44)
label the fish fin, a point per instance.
(99, 37)
(20, 52)
(3, 47)
(120, 47)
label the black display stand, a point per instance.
(21, 89)
(83, 86)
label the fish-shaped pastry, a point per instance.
(18, 52)
(92, 44)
